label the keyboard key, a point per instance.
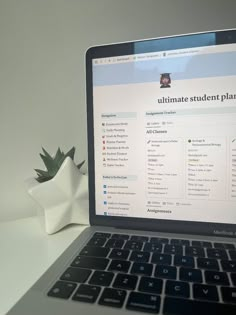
(216, 277)
(142, 269)
(190, 275)
(216, 253)
(62, 290)
(175, 241)
(159, 240)
(219, 245)
(150, 285)
(143, 302)
(178, 306)
(101, 235)
(94, 251)
(119, 254)
(173, 249)
(232, 254)
(86, 293)
(185, 242)
(162, 259)
(96, 241)
(185, 261)
(90, 262)
(177, 288)
(207, 263)
(134, 245)
(119, 265)
(76, 275)
(123, 281)
(153, 247)
(140, 256)
(194, 251)
(112, 297)
(228, 265)
(233, 278)
(224, 245)
(167, 272)
(139, 238)
(229, 246)
(201, 244)
(101, 278)
(114, 243)
(229, 294)
(205, 292)
(120, 236)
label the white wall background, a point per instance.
(42, 73)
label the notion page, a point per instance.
(165, 134)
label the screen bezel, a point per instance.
(145, 46)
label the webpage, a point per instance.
(165, 136)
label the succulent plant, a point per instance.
(53, 164)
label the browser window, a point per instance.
(165, 134)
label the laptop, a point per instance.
(162, 184)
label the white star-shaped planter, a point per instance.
(63, 198)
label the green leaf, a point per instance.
(41, 172)
(61, 161)
(53, 164)
(80, 165)
(48, 161)
(71, 153)
(58, 157)
(50, 165)
(47, 154)
(42, 179)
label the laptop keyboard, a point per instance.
(152, 275)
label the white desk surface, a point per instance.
(26, 252)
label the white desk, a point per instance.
(26, 252)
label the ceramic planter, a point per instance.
(64, 198)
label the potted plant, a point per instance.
(61, 190)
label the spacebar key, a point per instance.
(173, 306)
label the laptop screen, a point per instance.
(165, 130)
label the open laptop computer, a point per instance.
(162, 184)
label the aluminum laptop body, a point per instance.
(162, 184)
